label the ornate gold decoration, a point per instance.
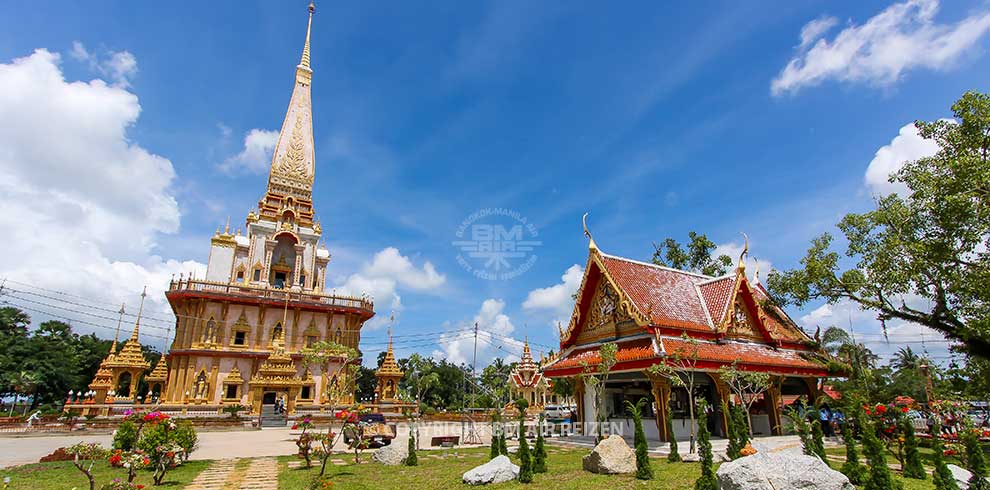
(160, 373)
(233, 377)
(277, 370)
(388, 376)
(293, 163)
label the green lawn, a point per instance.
(64, 476)
(564, 472)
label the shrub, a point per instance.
(976, 462)
(673, 456)
(540, 451)
(742, 426)
(643, 469)
(817, 440)
(912, 458)
(185, 436)
(852, 468)
(732, 429)
(942, 476)
(503, 448)
(496, 448)
(125, 437)
(879, 476)
(320, 482)
(233, 410)
(411, 459)
(707, 479)
(525, 459)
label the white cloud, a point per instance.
(902, 37)
(733, 249)
(81, 203)
(816, 29)
(557, 299)
(458, 347)
(388, 272)
(907, 146)
(256, 157)
(118, 66)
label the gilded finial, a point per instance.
(226, 229)
(304, 62)
(591, 240)
(745, 252)
(137, 323)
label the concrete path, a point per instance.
(212, 445)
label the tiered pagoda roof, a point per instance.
(526, 373)
(160, 373)
(658, 314)
(389, 368)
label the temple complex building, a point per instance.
(692, 322)
(241, 329)
(526, 381)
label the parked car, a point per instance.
(373, 429)
(556, 412)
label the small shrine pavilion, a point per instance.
(696, 323)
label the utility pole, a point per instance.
(473, 437)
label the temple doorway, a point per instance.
(269, 398)
(124, 385)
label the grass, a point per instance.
(563, 465)
(62, 475)
(563, 472)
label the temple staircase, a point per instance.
(271, 419)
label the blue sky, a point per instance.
(657, 120)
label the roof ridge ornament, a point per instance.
(741, 267)
(587, 233)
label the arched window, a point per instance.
(277, 331)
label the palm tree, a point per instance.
(905, 359)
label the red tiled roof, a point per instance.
(743, 352)
(717, 294)
(518, 380)
(668, 297)
(631, 350)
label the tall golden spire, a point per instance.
(293, 161)
(137, 324)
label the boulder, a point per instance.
(498, 470)
(611, 456)
(962, 476)
(391, 455)
(717, 456)
(780, 471)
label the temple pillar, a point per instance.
(579, 398)
(290, 405)
(813, 392)
(773, 399)
(660, 387)
(722, 390)
(135, 375)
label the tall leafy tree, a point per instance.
(698, 256)
(922, 255)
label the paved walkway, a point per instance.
(229, 474)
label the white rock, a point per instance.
(391, 455)
(780, 471)
(962, 476)
(498, 470)
(611, 456)
(691, 457)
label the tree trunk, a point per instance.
(12, 405)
